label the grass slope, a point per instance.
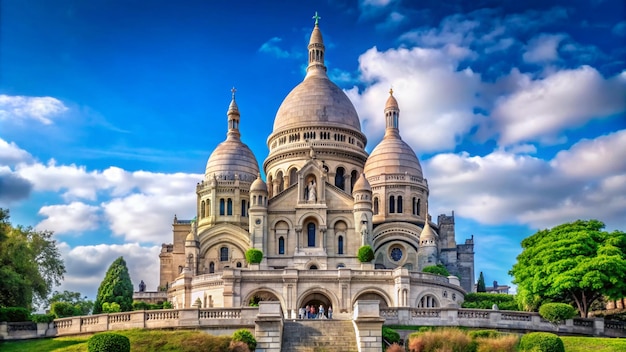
(140, 341)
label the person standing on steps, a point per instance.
(307, 312)
(330, 312)
(321, 312)
(312, 316)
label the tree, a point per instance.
(365, 254)
(573, 262)
(480, 287)
(81, 305)
(30, 264)
(115, 288)
(254, 256)
(438, 269)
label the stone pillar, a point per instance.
(268, 329)
(368, 325)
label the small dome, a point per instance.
(191, 237)
(392, 103)
(392, 156)
(232, 157)
(362, 184)
(258, 185)
(428, 237)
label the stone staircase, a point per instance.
(319, 336)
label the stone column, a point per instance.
(268, 329)
(368, 325)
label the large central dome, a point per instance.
(317, 101)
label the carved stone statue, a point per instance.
(312, 191)
(142, 286)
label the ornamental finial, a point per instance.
(316, 18)
(390, 91)
(233, 90)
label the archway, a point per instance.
(372, 296)
(257, 296)
(316, 299)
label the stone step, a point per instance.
(319, 336)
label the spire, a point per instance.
(392, 114)
(316, 50)
(233, 118)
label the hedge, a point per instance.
(108, 342)
(541, 341)
(245, 336)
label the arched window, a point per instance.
(224, 254)
(392, 204)
(244, 208)
(311, 235)
(293, 178)
(222, 206)
(202, 209)
(208, 207)
(418, 207)
(239, 264)
(414, 206)
(313, 267)
(340, 245)
(281, 245)
(229, 207)
(428, 301)
(399, 204)
(211, 268)
(353, 177)
(376, 206)
(339, 178)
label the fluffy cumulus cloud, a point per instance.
(543, 48)
(20, 108)
(69, 218)
(586, 181)
(271, 47)
(87, 265)
(11, 154)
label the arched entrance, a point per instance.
(372, 296)
(316, 299)
(255, 297)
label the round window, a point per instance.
(396, 254)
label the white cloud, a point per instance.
(271, 47)
(586, 181)
(543, 48)
(436, 100)
(69, 218)
(11, 154)
(372, 8)
(620, 29)
(86, 265)
(565, 99)
(42, 109)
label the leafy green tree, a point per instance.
(438, 269)
(254, 256)
(30, 264)
(571, 262)
(480, 287)
(115, 288)
(365, 254)
(82, 305)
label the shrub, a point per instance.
(365, 254)
(390, 335)
(42, 318)
(238, 346)
(441, 340)
(542, 342)
(14, 314)
(394, 348)
(254, 256)
(139, 305)
(487, 300)
(167, 305)
(108, 342)
(502, 343)
(64, 310)
(245, 336)
(438, 269)
(556, 312)
(111, 307)
(474, 334)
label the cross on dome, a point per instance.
(316, 18)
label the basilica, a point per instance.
(323, 198)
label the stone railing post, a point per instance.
(598, 327)
(368, 325)
(269, 327)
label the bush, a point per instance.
(556, 312)
(394, 348)
(390, 335)
(254, 256)
(441, 340)
(139, 305)
(108, 342)
(541, 342)
(64, 310)
(487, 334)
(245, 336)
(438, 269)
(14, 314)
(365, 254)
(111, 307)
(167, 305)
(42, 318)
(238, 346)
(487, 300)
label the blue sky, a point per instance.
(109, 111)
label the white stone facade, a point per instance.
(324, 198)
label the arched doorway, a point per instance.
(261, 295)
(372, 296)
(316, 299)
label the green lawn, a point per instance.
(595, 344)
(140, 341)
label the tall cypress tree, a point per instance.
(116, 287)
(480, 287)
